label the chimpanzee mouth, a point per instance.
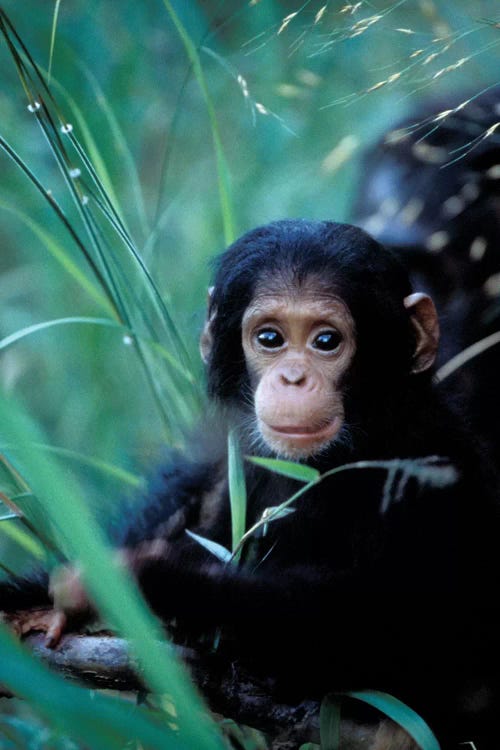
(308, 433)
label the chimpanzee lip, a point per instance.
(324, 431)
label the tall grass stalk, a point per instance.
(53, 38)
(101, 722)
(222, 168)
(237, 492)
(109, 250)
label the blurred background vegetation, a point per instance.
(297, 91)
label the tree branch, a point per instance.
(104, 661)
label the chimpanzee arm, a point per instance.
(172, 502)
(419, 590)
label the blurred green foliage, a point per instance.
(299, 89)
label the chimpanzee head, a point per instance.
(302, 313)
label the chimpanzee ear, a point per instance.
(206, 338)
(425, 322)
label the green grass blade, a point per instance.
(470, 352)
(237, 491)
(122, 147)
(53, 38)
(23, 332)
(102, 269)
(329, 723)
(222, 168)
(150, 285)
(81, 320)
(116, 275)
(23, 538)
(110, 587)
(67, 224)
(29, 73)
(27, 80)
(174, 363)
(7, 515)
(220, 552)
(433, 470)
(99, 167)
(66, 169)
(276, 512)
(61, 255)
(105, 204)
(101, 722)
(290, 469)
(110, 470)
(402, 714)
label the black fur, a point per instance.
(340, 594)
(25, 592)
(447, 169)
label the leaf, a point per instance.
(117, 472)
(223, 178)
(6, 515)
(53, 37)
(329, 723)
(216, 549)
(276, 512)
(94, 155)
(98, 720)
(121, 145)
(17, 335)
(288, 468)
(402, 714)
(61, 254)
(237, 490)
(24, 538)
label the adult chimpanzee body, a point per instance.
(430, 190)
(319, 351)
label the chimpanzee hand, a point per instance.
(70, 601)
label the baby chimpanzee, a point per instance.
(383, 576)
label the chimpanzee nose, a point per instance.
(293, 376)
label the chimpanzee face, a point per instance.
(298, 346)
(300, 312)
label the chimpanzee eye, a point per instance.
(327, 341)
(270, 339)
